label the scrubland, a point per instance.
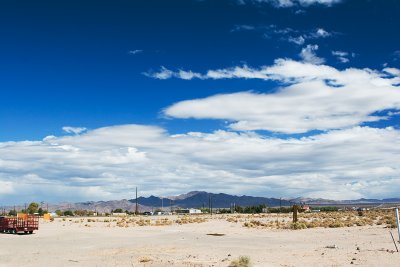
(319, 239)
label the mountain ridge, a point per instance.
(199, 199)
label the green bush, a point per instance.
(68, 213)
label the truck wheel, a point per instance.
(31, 232)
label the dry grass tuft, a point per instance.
(144, 259)
(243, 261)
(385, 218)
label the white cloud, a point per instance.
(308, 55)
(188, 75)
(313, 35)
(342, 56)
(322, 33)
(291, 3)
(286, 34)
(108, 163)
(243, 27)
(314, 97)
(74, 130)
(163, 74)
(135, 52)
(297, 40)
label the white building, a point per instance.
(189, 211)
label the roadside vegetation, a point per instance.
(335, 219)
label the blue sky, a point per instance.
(281, 73)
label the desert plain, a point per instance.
(205, 240)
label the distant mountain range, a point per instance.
(198, 199)
(323, 201)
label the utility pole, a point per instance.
(295, 209)
(397, 221)
(136, 206)
(211, 206)
(209, 203)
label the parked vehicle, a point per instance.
(14, 225)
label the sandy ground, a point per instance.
(71, 243)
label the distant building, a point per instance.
(306, 208)
(162, 213)
(188, 211)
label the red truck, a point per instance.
(14, 225)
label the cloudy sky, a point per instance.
(274, 98)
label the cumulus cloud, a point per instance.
(108, 163)
(312, 97)
(74, 130)
(308, 55)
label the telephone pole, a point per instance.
(210, 203)
(136, 208)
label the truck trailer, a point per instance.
(15, 225)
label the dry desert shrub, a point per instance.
(189, 219)
(162, 222)
(232, 219)
(243, 261)
(142, 222)
(337, 219)
(298, 225)
(144, 259)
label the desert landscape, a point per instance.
(199, 133)
(317, 239)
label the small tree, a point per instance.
(59, 212)
(68, 213)
(118, 211)
(33, 208)
(12, 213)
(40, 211)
